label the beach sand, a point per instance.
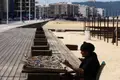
(106, 51)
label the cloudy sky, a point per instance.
(53, 1)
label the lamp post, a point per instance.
(47, 6)
(7, 11)
(35, 10)
(35, 13)
(39, 12)
(20, 10)
(29, 9)
(73, 11)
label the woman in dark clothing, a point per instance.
(90, 64)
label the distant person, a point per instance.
(23, 20)
(89, 65)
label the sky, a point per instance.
(54, 1)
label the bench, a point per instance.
(60, 37)
(57, 46)
(72, 46)
(40, 32)
(61, 52)
(40, 39)
(40, 36)
(40, 47)
(41, 43)
(41, 52)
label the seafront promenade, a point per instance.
(4, 27)
(16, 43)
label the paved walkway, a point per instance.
(4, 27)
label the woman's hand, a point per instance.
(67, 63)
(78, 70)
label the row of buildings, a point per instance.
(63, 10)
(27, 8)
(15, 7)
(57, 10)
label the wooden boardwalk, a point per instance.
(58, 47)
(14, 44)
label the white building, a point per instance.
(87, 11)
(82, 10)
(63, 9)
(43, 11)
(100, 11)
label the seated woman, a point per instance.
(90, 64)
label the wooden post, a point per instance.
(107, 29)
(88, 22)
(84, 23)
(94, 27)
(100, 28)
(117, 32)
(113, 32)
(104, 27)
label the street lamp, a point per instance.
(47, 5)
(20, 10)
(39, 12)
(35, 10)
(73, 11)
(29, 9)
(7, 11)
(35, 13)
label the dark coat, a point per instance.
(90, 65)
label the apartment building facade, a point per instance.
(101, 12)
(27, 6)
(63, 9)
(4, 8)
(87, 11)
(1, 10)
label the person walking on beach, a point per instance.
(89, 65)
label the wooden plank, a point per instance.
(14, 52)
(44, 76)
(25, 51)
(40, 48)
(40, 39)
(42, 70)
(40, 43)
(17, 63)
(63, 50)
(72, 46)
(63, 53)
(8, 64)
(41, 52)
(40, 32)
(18, 55)
(40, 36)
(8, 59)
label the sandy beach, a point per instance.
(106, 51)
